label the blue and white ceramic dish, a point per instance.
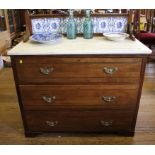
(46, 37)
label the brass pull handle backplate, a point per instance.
(51, 123)
(49, 99)
(108, 98)
(110, 70)
(46, 71)
(106, 123)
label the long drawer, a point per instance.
(102, 96)
(89, 121)
(78, 70)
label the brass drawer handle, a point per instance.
(49, 99)
(51, 123)
(108, 98)
(106, 123)
(110, 70)
(46, 71)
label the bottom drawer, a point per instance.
(78, 121)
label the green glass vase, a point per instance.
(88, 26)
(71, 26)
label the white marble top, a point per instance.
(97, 45)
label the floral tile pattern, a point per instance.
(44, 25)
(101, 24)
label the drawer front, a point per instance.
(89, 121)
(67, 96)
(79, 70)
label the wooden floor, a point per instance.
(11, 129)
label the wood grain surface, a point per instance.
(67, 96)
(11, 128)
(63, 69)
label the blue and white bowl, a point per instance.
(46, 37)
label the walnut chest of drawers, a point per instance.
(81, 85)
(79, 93)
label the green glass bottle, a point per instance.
(71, 26)
(87, 26)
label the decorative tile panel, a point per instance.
(101, 24)
(44, 25)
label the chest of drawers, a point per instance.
(79, 93)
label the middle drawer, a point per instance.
(69, 96)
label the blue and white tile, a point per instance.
(101, 24)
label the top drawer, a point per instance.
(38, 69)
